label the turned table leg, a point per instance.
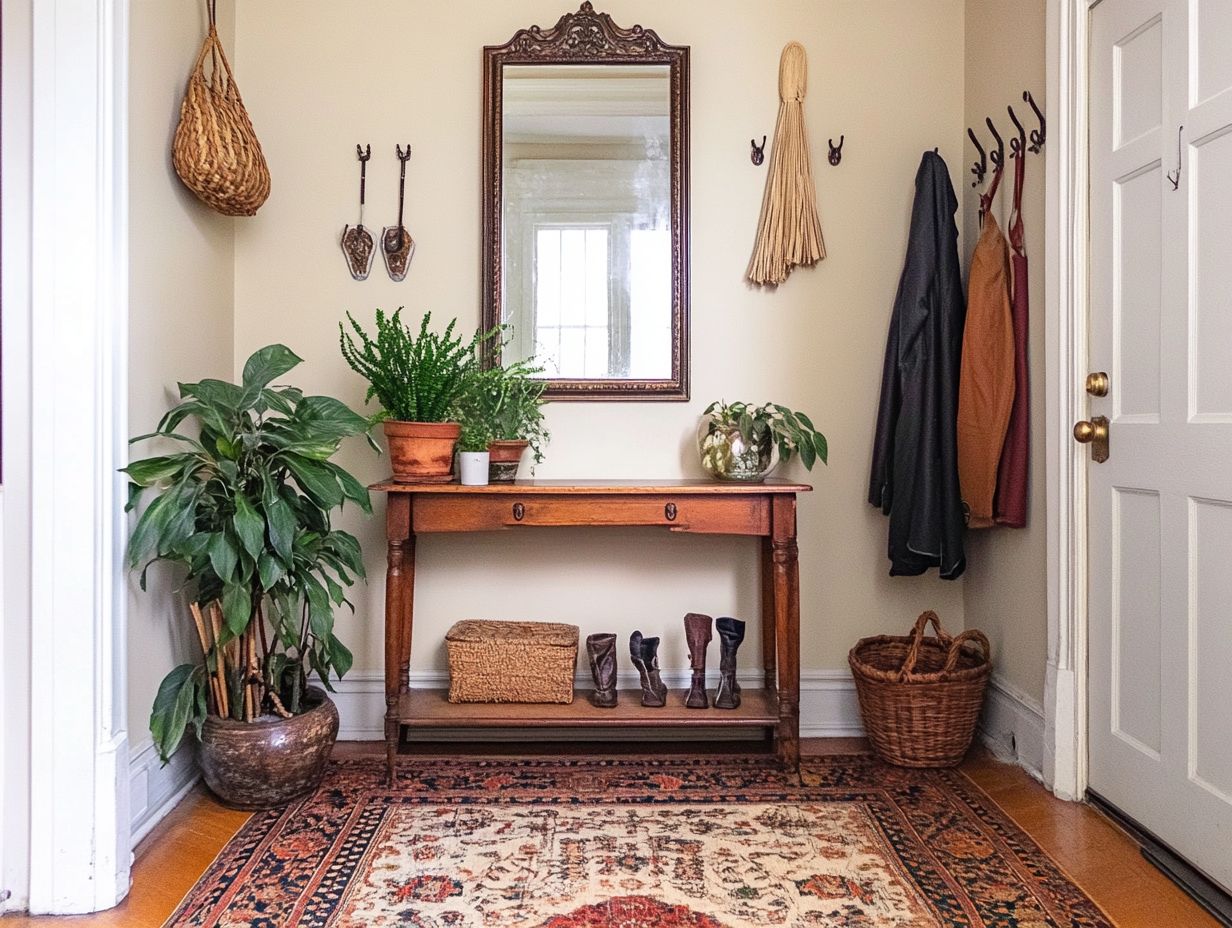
(768, 632)
(786, 575)
(399, 582)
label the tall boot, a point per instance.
(731, 633)
(601, 649)
(697, 634)
(645, 654)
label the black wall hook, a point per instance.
(1018, 146)
(758, 154)
(1038, 136)
(996, 155)
(978, 168)
(836, 151)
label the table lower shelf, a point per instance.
(431, 708)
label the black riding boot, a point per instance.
(731, 633)
(645, 654)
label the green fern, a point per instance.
(416, 377)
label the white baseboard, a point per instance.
(828, 707)
(1012, 726)
(155, 790)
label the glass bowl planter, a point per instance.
(726, 455)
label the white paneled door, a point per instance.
(1160, 506)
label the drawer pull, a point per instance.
(519, 511)
(670, 511)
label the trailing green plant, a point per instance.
(416, 377)
(245, 507)
(509, 399)
(793, 432)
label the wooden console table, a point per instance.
(766, 510)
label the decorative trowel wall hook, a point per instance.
(357, 243)
(758, 154)
(396, 243)
(836, 151)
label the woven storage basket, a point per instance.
(215, 150)
(511, 661)
(921, 697)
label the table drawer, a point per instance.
(734, 514)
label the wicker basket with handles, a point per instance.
(921, 697)
(527, 662)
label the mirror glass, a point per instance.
(586, 230)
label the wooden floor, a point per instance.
(1095, 853)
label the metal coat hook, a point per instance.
(1039, 135)
(1174, 177)
(836, 151)
(1018, 146)
(758, 154)
(978, 168)
(997, 155)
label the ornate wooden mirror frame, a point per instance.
(590, 38)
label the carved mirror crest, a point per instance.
(585, 213)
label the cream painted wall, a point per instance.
(319, 77)
(1006, 584)
(181, 319)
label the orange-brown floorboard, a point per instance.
(1098, 856)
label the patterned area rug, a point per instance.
(675, 843)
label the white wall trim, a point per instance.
(79, 821)
(155, 789)
(1066, 237)
(828, 707)
(1012, 726)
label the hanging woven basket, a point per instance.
(215, 151)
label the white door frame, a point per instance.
(79, 848)
(1066, 278)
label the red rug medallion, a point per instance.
(636, 844)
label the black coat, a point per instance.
(915, 456)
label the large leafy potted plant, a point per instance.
(509, 399)
(418, 378)
(245, 508)
(739, 441)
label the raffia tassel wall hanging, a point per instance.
(789, 232)
(215, 150)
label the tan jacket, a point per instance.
(986, 376)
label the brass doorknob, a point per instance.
(1097, 384)
(1085, 432)
(1093, 432)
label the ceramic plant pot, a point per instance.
(473, 468)
(421, 452)
(506, 457)
(272, 761)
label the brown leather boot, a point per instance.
(697, 634)
(645, 655)
(601, 649)
(731, 633)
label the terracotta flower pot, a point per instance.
(421, 452)
(505, 456)
(271, 762)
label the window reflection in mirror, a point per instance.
(587, 219)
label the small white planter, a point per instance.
(473, 468)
